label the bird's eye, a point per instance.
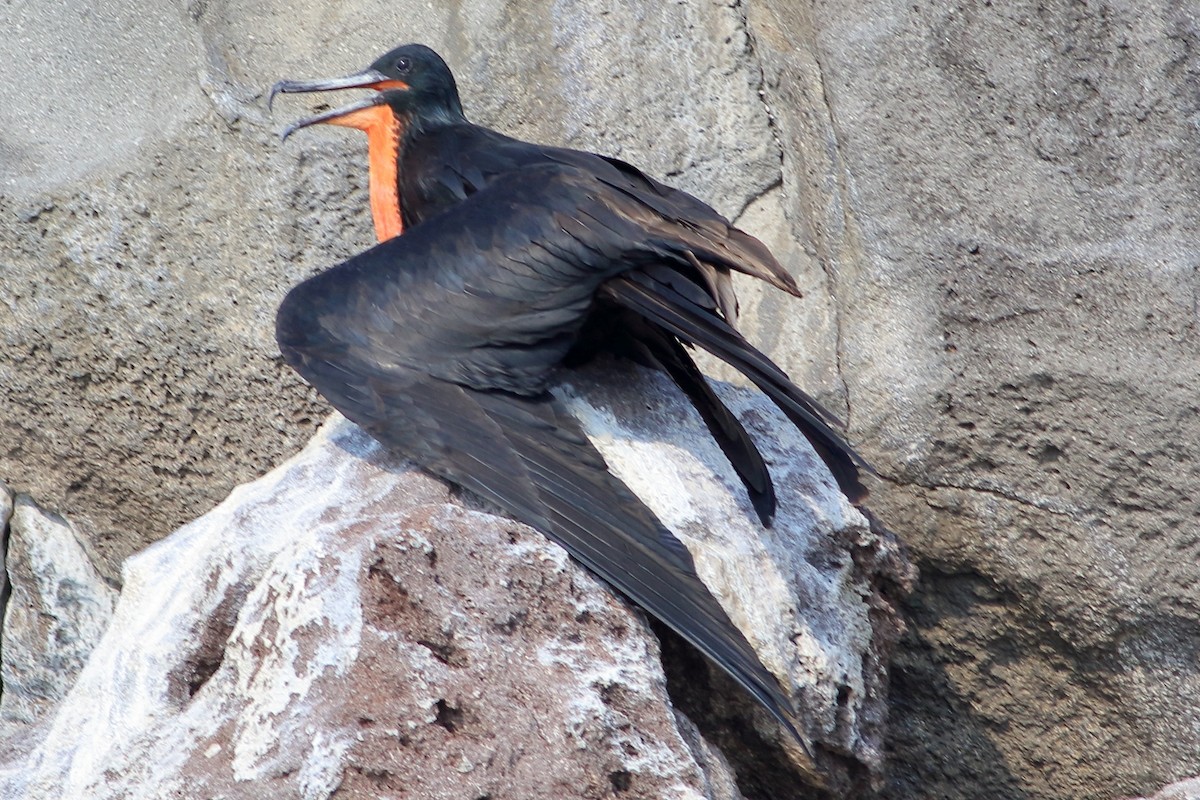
(403, 64)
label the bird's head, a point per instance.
(411, 84)
(413, 90)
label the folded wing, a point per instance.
(440, 343)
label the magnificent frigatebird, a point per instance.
(516, 260)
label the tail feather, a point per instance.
(696, 325)
(726, 429)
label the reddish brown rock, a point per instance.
(345, 627)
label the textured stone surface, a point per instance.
(141, 381)
(992, 209)
(1011, 231)
(1184, 790)
(342, 625)
(813, 593)
(57, 611)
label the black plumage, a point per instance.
(515, 261)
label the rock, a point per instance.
(1184, 790)
(811, 593)
(1005, 198)
(57, 611)
(141, 380)
(344, 625)
(115, 53)
(991, 209)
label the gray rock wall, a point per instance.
(1017, 297)
(992, 209)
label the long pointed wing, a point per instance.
(565, 489)
(465, 158)
(439, 343)
(625, 333)
(528, 456)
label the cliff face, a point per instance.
(992, 209)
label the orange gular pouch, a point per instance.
(383, 129)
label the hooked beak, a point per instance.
(350, 116)
(367, 79)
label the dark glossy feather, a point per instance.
(663, 350)
(697, 325)
(455, 161)
(518, 260)
(440, 343)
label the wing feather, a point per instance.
(698, 326)
(458, 384)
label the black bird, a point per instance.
(516, 260)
